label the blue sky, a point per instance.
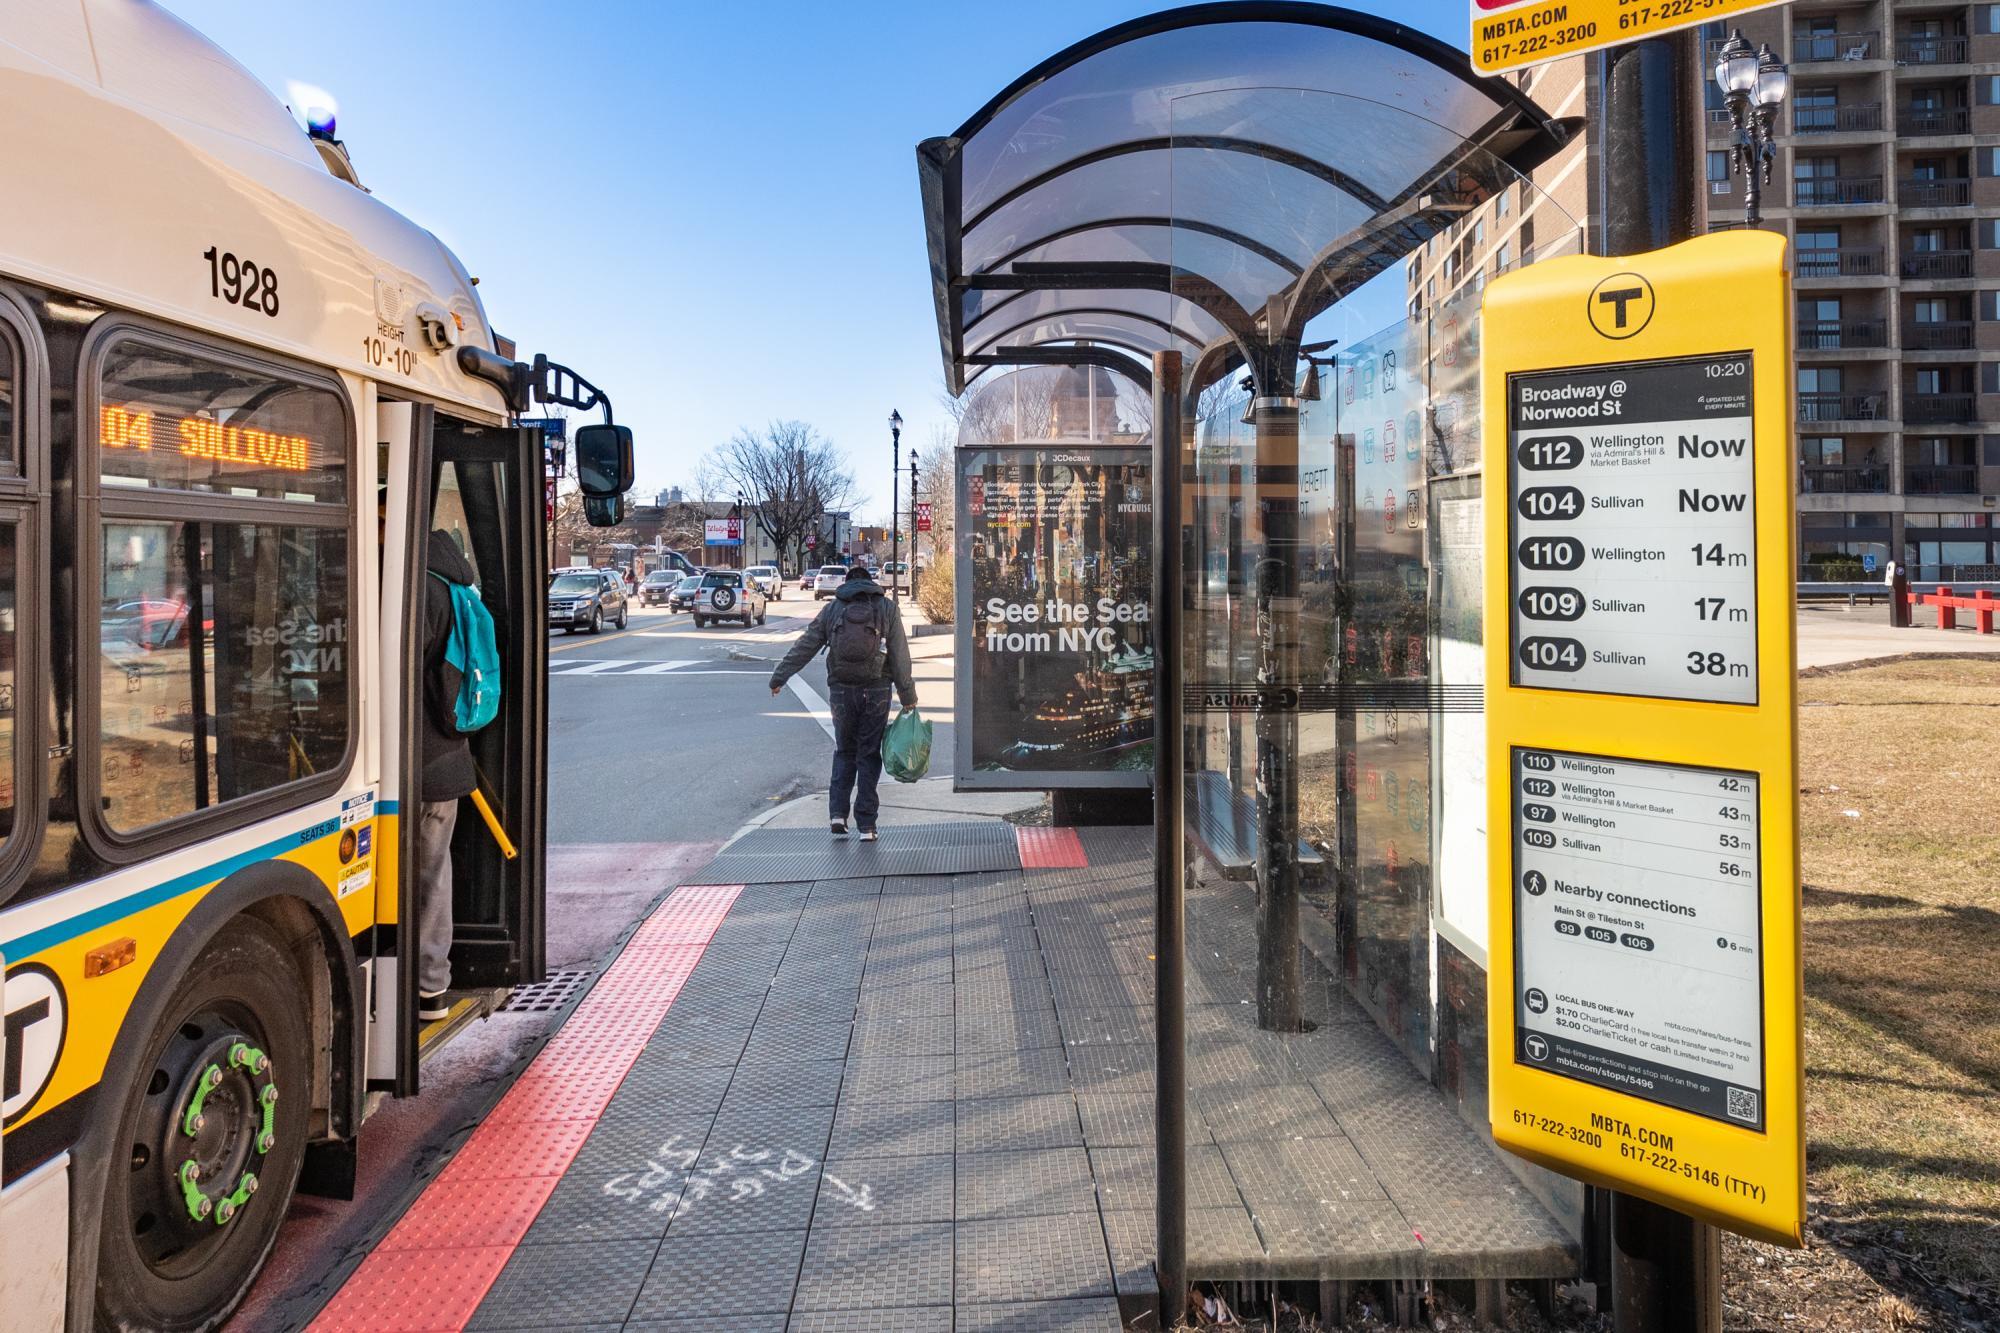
(708, 209)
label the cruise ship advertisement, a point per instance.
(1060, 615)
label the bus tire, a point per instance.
(235, 1025)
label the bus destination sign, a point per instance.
(1513, 34)
(1632, 492)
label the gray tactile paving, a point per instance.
(1012, 1259)
(797, 1039)
(994, 1124)
(668, 1093)
(629, 1145)
(1129, 1119)
(1012, 1073)
(1486, 1237)
(911, 999)
(872, 1128)
(1125, 1177)
(1245, 1112)
(802, 1129)
(1134, 1240)
(545, 1285)
(738, 1323)
(752, 1186)
(769, 856)
(721, 1276)
(581, 1208)
(1299, 1171)
(1353, 1239)
(1224, 1241)
(1127, 1025)
(1126, 1069)
(910, 1078)
(1039, 1182)
(787, 1083)
(886, 1191)
(920, 1319)
(932, 1034)
(1091, 1315)
(812, 1004)
(1008, 1030)
(849, 1268)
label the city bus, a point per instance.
(237, 394)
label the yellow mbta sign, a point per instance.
(1643, 998)
(1510, 34)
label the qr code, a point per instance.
(1742, 1105)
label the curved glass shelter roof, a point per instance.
(1101, 197)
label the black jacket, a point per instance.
(447, 758)
(895, 662)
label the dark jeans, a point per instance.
(860, 716)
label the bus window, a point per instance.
(223, 661)
(9, 665)
(223, 649)
(10, 375)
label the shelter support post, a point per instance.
(1665, 1267)
(1276, 487)
(1169, 954)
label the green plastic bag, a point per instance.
(906, 748)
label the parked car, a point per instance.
(682, 597)
(725, 594)
(768, 580)
(827, 582)
(586, 598)
(658, 586)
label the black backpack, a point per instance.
(854, 643)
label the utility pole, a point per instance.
(1665, 1267)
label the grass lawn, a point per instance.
(1900, 778)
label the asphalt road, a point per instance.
(640, 750)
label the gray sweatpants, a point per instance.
(434, 895)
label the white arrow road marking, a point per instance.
(814, 704)
(863, 1198)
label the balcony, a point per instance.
(1914, 121)
(1930, 50)
(1832, 191)
(1934, 192)
(1947, 335)
(1924, 409)
(1837, 119)
(1932, 265)
(1844, 47)
(1847, 261)
(1826, 335)
(1949, 480)
(1818, 407)
(1843, 480)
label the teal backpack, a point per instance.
(474, 652)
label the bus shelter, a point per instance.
(1197, 201)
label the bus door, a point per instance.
(486, 497)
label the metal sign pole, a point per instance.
(1665, 1267)
(1169, 956)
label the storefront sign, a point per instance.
(1643, 1003)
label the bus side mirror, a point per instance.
(604, 512)
(603, 461)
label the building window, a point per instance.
(1506, 204)
(1929, 310)
(1989, 305)
(1718, 167)
(1478, 233)
(1989, 377)
(1822, 450)
(1930, 381)
(1819, 379)
(1987, 89)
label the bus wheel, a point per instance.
(210, 1140)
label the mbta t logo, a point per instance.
(1621, 305)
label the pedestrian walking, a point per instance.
(866, 655)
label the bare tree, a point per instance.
(575, 536)
(790, 473)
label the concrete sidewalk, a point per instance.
(1834, 635)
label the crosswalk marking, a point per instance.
(619, 669)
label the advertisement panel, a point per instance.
(722, 532)
(1054, 618)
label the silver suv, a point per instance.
(725, 594)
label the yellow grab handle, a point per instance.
(507, 848)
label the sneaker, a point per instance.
(868, 835)
(838, 827)
(433, 1006)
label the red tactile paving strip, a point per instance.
(440, 1259)
(1050, 848)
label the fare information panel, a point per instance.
(1632, 491)
(1637, 963)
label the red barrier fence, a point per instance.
(1982, 604)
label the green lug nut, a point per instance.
(270, 1094)
(191, 1120)
(196, 1202)
(214, 1075)
(233, 1203)
(224, 1211)
(249, 1182)
(264, 1142)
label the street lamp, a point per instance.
(1754, 84)
(895, 476)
